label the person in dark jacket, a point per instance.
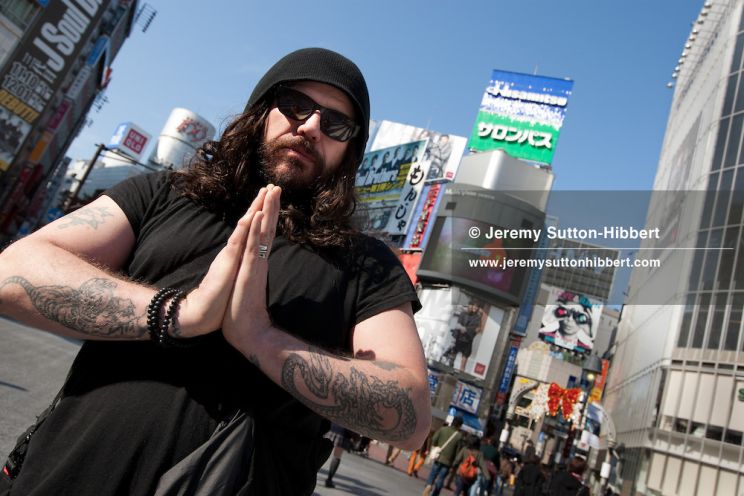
(569, 482)
(530, 479)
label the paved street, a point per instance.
(33, 366)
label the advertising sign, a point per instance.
(38, 66)
(458, 330)
(599, 383)
(388, 182)
(511, 364)
(130, 139)
(570, 320)
(423, 216)
(442, 153)
(466, 397)
(476, 262)
(521, 114)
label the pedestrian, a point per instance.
(569, 482)
(341, 442)
(418, 457)
(392, 454)
(484, 485)
(273, 308)
(506, 470)
(469, 465)
(530, 479)
(447, 442)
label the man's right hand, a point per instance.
(203, 309)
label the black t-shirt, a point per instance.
(131, 410)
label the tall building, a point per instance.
(674, 388)
(50, 76)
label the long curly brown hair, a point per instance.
(224, 177)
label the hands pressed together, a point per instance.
(232, 295)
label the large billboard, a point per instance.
(442, 153)
(38, 66)
(570, 320)
(457, 329)
(521, 114)
(388, 184)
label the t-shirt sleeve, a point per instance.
(135, 195)
(383, 282)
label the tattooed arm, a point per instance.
(61, 278)
(381, 393)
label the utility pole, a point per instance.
(73, 194)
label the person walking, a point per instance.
(447, 442)
(530, 479)
(469, 464)
(418, 457)
(569, 482)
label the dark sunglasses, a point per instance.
(298, 106)
(579, 317)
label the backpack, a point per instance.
(468, 469)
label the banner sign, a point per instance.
(466, 397)
(38, 66)
(388, 183)
(521, 114)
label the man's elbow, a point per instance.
(422, 407)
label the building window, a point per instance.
(733, 437)
(19, 12)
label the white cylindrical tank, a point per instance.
(184, 132)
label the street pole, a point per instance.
(88, 167)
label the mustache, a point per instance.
(298, 143)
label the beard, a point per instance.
(298, 179)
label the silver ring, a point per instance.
(263, 251)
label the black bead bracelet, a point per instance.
(158, 328)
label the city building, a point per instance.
(675, 387)
(46, 91)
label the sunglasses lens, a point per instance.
(580, 318)
(336, 125)
(561, 312)
(294, 104)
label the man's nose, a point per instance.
(310, 129)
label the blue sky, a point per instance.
(426, 63)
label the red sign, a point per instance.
(135, 141)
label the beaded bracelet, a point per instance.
(158, 328)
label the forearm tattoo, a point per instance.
(358, 400)
(90, 216)
(91, 309)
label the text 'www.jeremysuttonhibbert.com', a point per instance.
(590, 263)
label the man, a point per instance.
(449, 439)
(469, 323)
(312, 325)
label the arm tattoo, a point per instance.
(91, 309)
(358, 400)
(91, 216)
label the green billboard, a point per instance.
(521, 114)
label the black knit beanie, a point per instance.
(323, 66)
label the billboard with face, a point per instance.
(570, 320)
(441, 156)
(521, 114)
(458, 330)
